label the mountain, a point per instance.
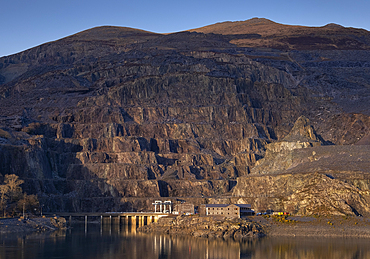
(113, 118)
(260, 32)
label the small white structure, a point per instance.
(162, 206)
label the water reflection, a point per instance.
(113, 241)
(138, 245)
(309, 248)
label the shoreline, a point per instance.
(221, 227)
(29, 225)
(319, 226)
(205, 227)
(262, 226)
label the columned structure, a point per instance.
(161, 205)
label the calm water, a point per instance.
(124, 242)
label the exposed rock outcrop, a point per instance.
(306, 194)
(112, 117)
(17, 225)
(206, 227)
(279, 155)
(302, 177)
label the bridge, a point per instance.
(126, 218)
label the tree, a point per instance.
(30, 203)
(14, 190)
(3, 197)
(12, 198)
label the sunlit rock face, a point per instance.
(279, 154)
(302, 175)
(114, 118)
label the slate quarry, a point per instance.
(113, 118)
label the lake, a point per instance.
(125, 242)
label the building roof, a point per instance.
(216, 205)
(226, 205)
(243, 205)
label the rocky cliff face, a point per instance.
(307, 193)
(113, 118)
(302, 177)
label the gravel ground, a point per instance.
(334, 226)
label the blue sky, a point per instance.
(28, 23)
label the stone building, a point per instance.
(184, 209)
(228, 210)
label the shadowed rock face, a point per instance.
(113, 118)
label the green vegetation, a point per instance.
(12, 199)
(283, 219)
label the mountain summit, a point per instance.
(280, 36)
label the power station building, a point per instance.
(227, 210)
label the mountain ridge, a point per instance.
(212, 28)
(257, 22)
